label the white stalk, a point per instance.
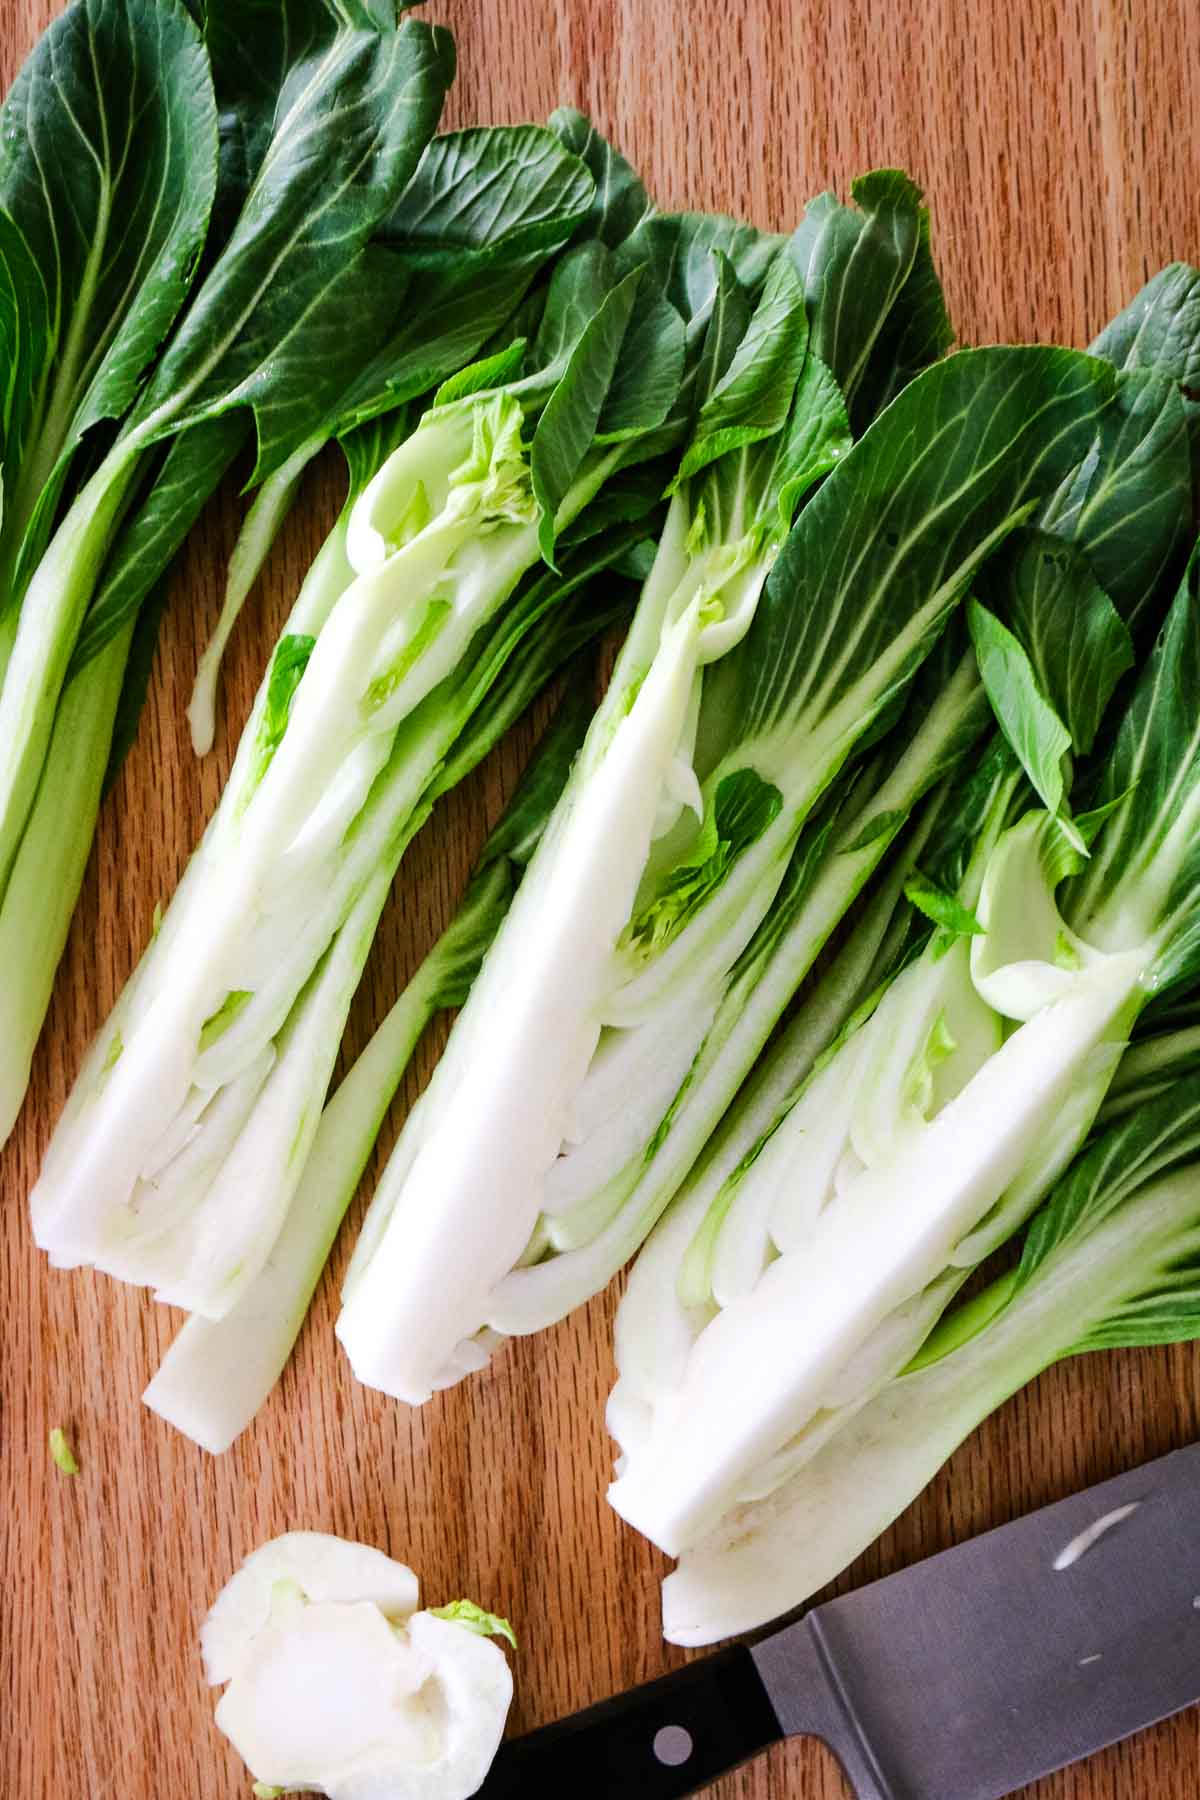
(525, 1040)
(268, 509)
(770, 1555)
(766, 1364)
(217, 1374)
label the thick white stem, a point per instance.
(764, 1366)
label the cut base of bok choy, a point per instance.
(1112, 1258)
(218, 1372)
(335, 1683)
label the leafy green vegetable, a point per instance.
(427, 588)
(818, 659)
(1038, 737)
(946, 911)
(260, 336)
(843, 1187)
(105, 73)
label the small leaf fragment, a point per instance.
(474, 1618)
(62, 1453)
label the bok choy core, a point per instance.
(155, 301)
(208, 1081)
(566, 1072)
(336, 1684)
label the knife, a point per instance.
(961, 1678)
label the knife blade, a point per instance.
(961, 1678)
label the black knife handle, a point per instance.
(656, 1742)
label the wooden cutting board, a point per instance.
(1056, 142)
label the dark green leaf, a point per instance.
(469, 233)
(368, 446)
(817, 437)
(620, 202)
(254, 45)
(1160, 1137)
(752, 396)
(684, 251)
(190, 470)
(1127, 504)
(645, 385)
(457, 957)
(915, 333)
(567, 427)
(108, 166)
(1144, 873)
(739, 810)
(24, 342)
(267, 329)
(632, 494)
(878, 558)
(1160, 328)
(854, 262)
(496, 193)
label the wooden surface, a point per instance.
(1055, 139)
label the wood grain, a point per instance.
(1056, 141)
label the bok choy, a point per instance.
(895, 1028)
(481, 215)
(134, 378)
(209, 1079)
(564, 1072)
(1062, 954)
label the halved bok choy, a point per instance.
(156, 315)
(218, 1372)
(1062, 952)
(1111, 1258)
(483, 213)
(209, 1078)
